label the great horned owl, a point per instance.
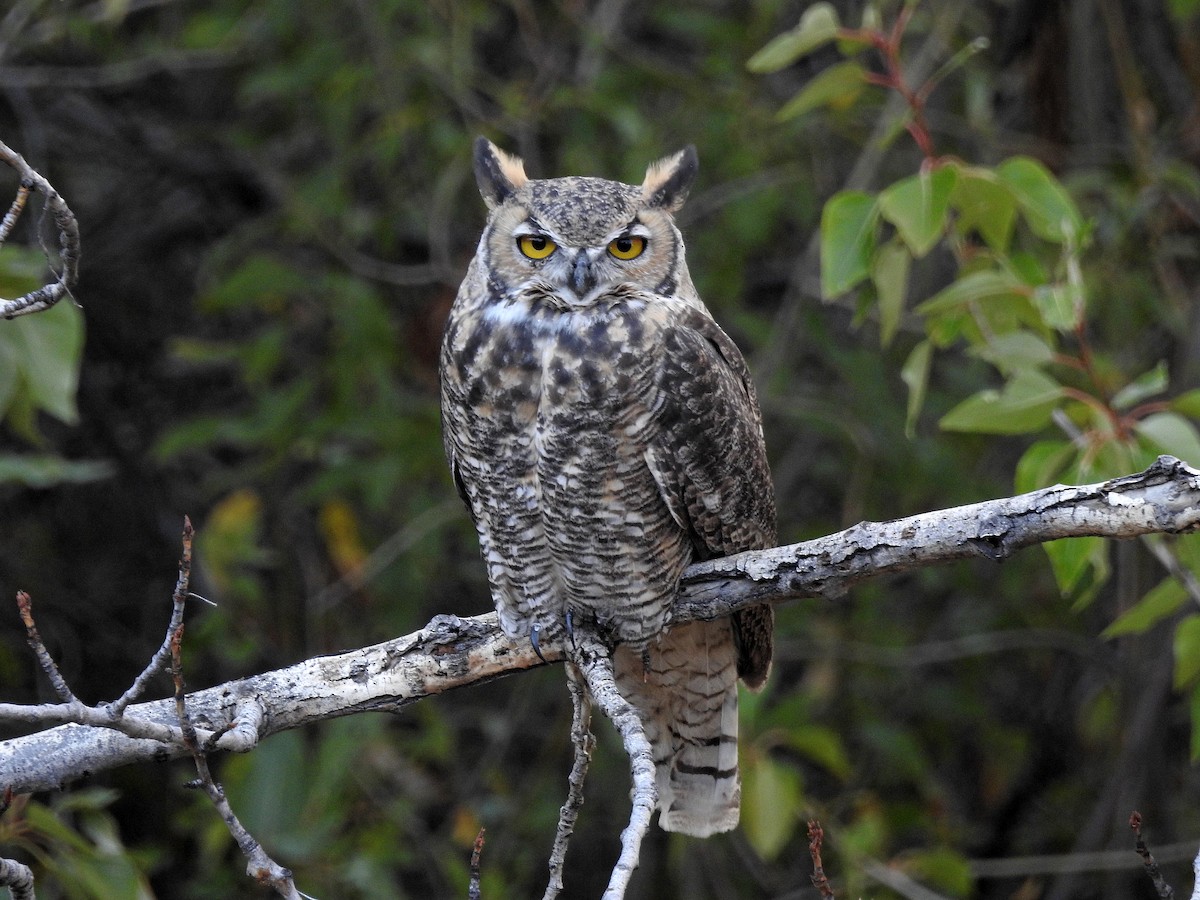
(604, 432)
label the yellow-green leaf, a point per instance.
(972, 288)
(1014, 351)
(770, 804)
(1024, 405)
(1042, 464)
(1171, 433)
(847, 240)
(1187, 651)
(984, 206)
(917, 206)
(1047, 206)
(1144, 386)
(818, 26)
(839, 85)
(915, 374)
(1188, 403)
(822, 745)
(1070, 558)
(47, 348)
(889, 273)
(1160, 601)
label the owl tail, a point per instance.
(687, 697)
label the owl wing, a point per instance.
(709, 461)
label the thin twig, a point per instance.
(25, 606)
(259, 865)
(162, 657)
(816, 837)
(474, 892)
(584, 742)
(14, 211)
(1165, 891)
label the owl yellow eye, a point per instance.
(536, 246)
(628, 247)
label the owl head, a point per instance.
(573, 240)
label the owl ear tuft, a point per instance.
(669, 180)
(498, 174)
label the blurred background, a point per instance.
(277, 205)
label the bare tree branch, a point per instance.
(595, 663)
(584, 742)
(451, 652)
(68, 237)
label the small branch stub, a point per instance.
(474, 892)
(1165, 891)
(816, 839)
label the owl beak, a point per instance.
(583, 278)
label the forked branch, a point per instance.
(68, 237)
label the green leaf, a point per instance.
(847, 240)
(1145, 385)
(942, 867)
(985, 206)
(1048, 208)
(818, 26)
(48, 347)
(770, 804)
(973, 288)
(47, 471)
(1188, 403)
(889, 273)
(822, 745)
(838, 86)
(1187, 651)
(1171, 433)
(1041, 465)
(1024, 405)
(1182, 11)
(1060, 305)
(915, 374)
(1160, 601)
(1195, 710)
(1014, 351)
(10, 371)
(917, 206)
(1070, 558)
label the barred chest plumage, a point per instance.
(555, 404)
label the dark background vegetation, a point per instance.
(277, 205)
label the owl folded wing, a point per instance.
(708, 458)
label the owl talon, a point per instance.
(533, 639)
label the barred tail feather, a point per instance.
(687, 697)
